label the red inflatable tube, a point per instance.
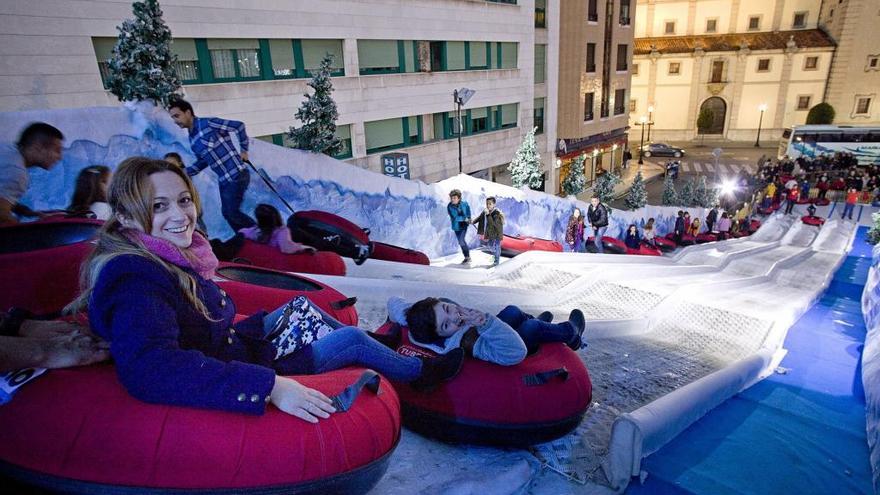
(609, 244)
(329, 218)
(106, 441)
(254, 289)
(644, 250)
(388, 252)
(542, 398)
(803, 201)
(815, 221)
(329, 232)
(512, 245)
(321, 262)
(665, 244)
(686, 240)
(706, 237)
(40, 263)
(754, 225)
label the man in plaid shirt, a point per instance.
(210, 141)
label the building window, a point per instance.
(592, 11)
(635, 69)
(591, 57)
(863, 105)
(378, 57)
(763, 65)
(803, 102)
(711, 25)
(717, 75)
(540, 13)
(674, 68)
(187, 65)
(873, 63)
(478, 55)
(588, 106)
(389, 134)
(476, 120)
(313, 51)
(622, 57)
(811, 63)
(624, 13)
(619, 101)
(235, 59)
(633, 104)
(540, 63)
(539, 115)
(754, 23)
(505, 55)
(800, 20)
(343, 132)
(670, 27)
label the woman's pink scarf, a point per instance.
(198, 256)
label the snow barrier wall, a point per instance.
(402, 212)
(871, 364)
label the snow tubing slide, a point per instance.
(329, 232)
(644, 250)
(40, 262)
(609, 244)
(815, 221)
(321, 262)
(665, 245)
(542, 398)
(258, 289)
(103, 440)
(512, 245)
(388, 252)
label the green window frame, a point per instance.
(394, 48)
(184, 48)
(239, 57)
(506, 54)
(411, 133)
(540, 63)
(539, 115)
(476, 120)
(342, 131)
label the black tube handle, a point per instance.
(543, 377)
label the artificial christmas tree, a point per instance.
(142, 65)
(318, 115)
(670, 197)
(637, 196)
(575, 181)
(604, 188)
(686, 196)
(525, 168)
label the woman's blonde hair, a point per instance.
(130, 196)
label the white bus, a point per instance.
(817, 140)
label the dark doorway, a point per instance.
(719, 112)
(717, 71)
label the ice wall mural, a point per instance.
(398, 211)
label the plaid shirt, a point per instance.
(210, 141)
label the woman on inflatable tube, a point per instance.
(148, 289)
(443, 326)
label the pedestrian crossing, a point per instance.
(695, 167)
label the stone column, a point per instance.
(350, 55)
(649, 19)
(738, 80)
(696, 90)
(779, 112)
(734, 13)
(692, 17)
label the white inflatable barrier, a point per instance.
(871, 364)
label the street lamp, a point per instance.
(642, 122)
(461, 96)
(650, 120)
(762, 108)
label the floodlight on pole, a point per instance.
(461, 97)
(642, 122)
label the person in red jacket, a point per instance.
(852, 196)
(792, 198)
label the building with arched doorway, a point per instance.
(733, 58)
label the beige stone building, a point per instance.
(854, 82)
(397, 64)
(754, 63)
(595, 57)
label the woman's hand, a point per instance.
(73, 349)
(308, 250)
(305, 403)
(39, 329)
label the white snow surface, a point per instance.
(871, 364)
(669, 337)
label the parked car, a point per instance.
(662, 149)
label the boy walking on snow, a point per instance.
(490, 225)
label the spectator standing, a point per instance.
(711, 218)
(39, 145)
(852, 196)
(574, 232)
(460, 216)
(724, 226)
(490, 225)
(597, 213)
(792, 199)
(210, 141)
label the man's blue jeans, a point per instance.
(460, 235)
(231, 197)
(848, 210)
(597, 240)
(495, 247)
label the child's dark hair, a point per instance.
(182, 104)
(268, 219)
(455, 193)
(88, 188)
(38, 132)
(174, 157)
(422, 321)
